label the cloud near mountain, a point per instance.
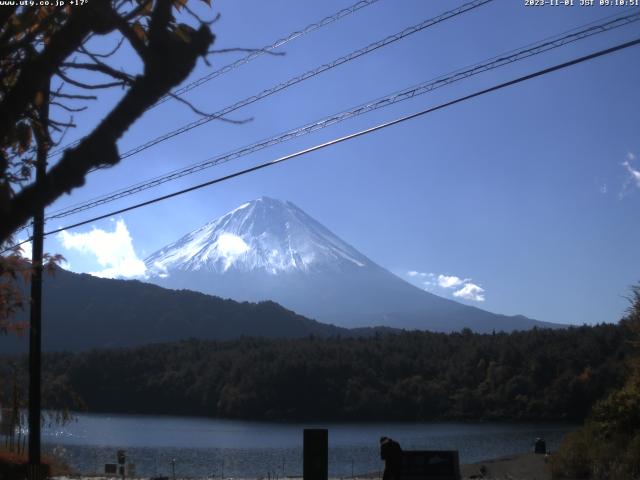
(113, 251)
(462, 287)
(268, 249)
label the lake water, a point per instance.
(204, 447)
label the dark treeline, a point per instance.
(537, 374)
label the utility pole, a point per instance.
(35, 327)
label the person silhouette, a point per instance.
(391, 453)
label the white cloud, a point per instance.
(441, 283)
(163, 273)
(450, 281)
(633, 177)
(413, 273)
(25, 250)
(65, 265)
(634, 174)
(231, 245)
(112, 250)
(470, 291)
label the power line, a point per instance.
(249, 57)
(309, 74)
(278, 43)
(351, 136)
(408, 93)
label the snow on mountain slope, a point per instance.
(262, 235)
(267, 249)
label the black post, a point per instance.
(315, 454)
(35, 330)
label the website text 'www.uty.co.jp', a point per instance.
(42, 3)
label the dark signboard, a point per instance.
(430, 465)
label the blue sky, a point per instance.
(522, 201)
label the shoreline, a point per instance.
(521, 466)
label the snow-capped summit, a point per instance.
(265, 235)
(271, 250)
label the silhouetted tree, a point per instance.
(48, 49)
(608, 446)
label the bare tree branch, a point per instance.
(75, 97)
(84, 50)
(38, 71)
(168, 60)
(89, 86)
(67, 108)
(127, 32)
(102, 68)
(61, 138)
(196, 110)
(199, 18)
(56, 123)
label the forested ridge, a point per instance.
(536, 374)
(145, 313)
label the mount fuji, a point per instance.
(267, 249)
(266, 236)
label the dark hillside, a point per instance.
(83, 312)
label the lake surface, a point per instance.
(204, 447)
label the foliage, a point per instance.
(608, 446)
(13, 415)
(13, 465)
(586, 454)
(15, 274)
(13, 269)
(48, 68)
(537, 374)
